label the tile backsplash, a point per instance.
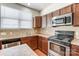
(51, 30)
(16, 32)
(48, 31)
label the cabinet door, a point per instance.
(39, 43)
(37, 22)
(26, 40)
(49, 20)
(0, 45)
(45, 45)
(11, 13)
(74, 50)
(76, 14)
(34, 42)
(44, 21)
(56, 13)
(66, 10)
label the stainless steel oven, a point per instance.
(55, 49)
(60, 44)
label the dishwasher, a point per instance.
(10, 43)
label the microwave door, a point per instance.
(54, 23)
(68, 20)
(60, 21)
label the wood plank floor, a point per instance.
(39, 53)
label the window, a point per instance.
(9, 23)
(13, 18)
(26, 24)
(26, 19)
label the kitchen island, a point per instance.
(20, 50)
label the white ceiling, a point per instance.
(37, 6)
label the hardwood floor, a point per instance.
(39, 53)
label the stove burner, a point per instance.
(63, 37)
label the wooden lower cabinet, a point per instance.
(26, 40)
(36, 42)
(31, 41)
(0, 45)
(45, 45)
(40, 43)
(74, 50)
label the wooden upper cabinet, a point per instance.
(66, 10)
(49, 20)
(49, 16)
(56, 13)
(75, 7)
(44, 21)
(37, 22)
(75, 14)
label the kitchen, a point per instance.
(27, 30)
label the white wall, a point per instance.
(53, 7)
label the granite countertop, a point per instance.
(11, 37)
(75, 42)
(44, 35)
(20, 50)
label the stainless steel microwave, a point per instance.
(65, 19)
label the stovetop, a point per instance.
(62, 37)
(65, 41)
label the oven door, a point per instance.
(55, 49)
(58, 49)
